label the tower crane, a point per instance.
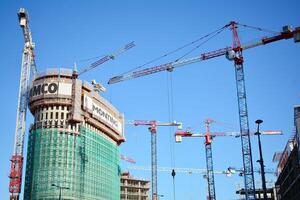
(235, 54)
(209, 159)
(208, 151)
(153, 124)
(28, 63)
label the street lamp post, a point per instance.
(60, 188)
(261, 161)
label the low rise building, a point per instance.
(133, 188)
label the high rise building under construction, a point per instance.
(73, 143)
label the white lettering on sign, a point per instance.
(102, 114)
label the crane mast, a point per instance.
(208, 155)
(153, 130)
(209, 162)
(28, 62)
(243, 115)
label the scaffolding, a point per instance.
(87, 164)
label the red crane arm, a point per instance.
(286, 34)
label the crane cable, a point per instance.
(258, 28)
(171, 129)
(202, 43)
(175, 50)
(170, 93)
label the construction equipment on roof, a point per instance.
(208, 150)
(153, 124)
(235, 54)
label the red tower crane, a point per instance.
(233, 53)
(208, 150)
(153, 124)
(209, 159)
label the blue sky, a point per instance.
(70, 31)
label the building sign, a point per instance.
(102, 114)
(51, 88)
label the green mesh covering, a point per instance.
(87, 164)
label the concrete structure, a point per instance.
(288, 170)
(133, 188)
(271, 194)
(73, 142)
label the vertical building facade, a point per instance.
(133, 188)
(73, 142)
(259, 194)
(288, 170)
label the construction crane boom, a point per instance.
(153, 130)
(228, 172)
(169, 66)
(127, 159)
(106, 58)
(287, 33)
(178, 169)
(182, 133)
(28, 62)
(234, 54)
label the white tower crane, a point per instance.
(27, 63)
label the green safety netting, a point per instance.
(87, 164)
